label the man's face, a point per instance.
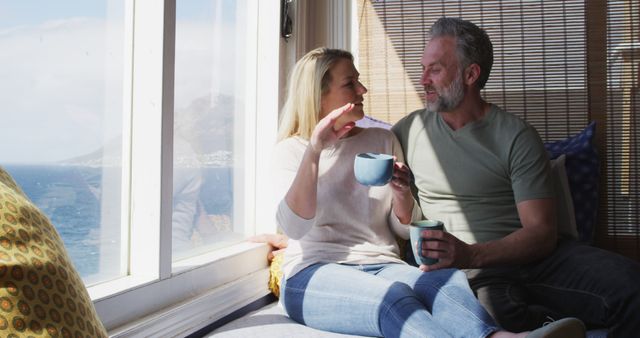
(442, 76)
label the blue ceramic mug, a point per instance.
(373, 168)
(415, 231)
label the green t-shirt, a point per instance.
(472, 178)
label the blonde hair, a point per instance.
(309, 79)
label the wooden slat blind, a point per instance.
(623, 107)
(543, 72)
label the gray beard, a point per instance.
(449, 98)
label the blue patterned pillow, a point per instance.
(582, 168)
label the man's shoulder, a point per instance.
(408, 120)
(407, 125)
(411, 116)
(509, 129)
(508, 117)
(509, 122)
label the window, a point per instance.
(622, 125)
(62, 98)
(212, 51)
(114, 106)
(549, 68)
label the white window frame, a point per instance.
(151, 300)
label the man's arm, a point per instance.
(536, 239)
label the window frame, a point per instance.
(204, 288)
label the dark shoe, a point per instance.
(563, 328)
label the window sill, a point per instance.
(192, 298)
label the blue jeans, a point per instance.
(390, 300)
(597, 286)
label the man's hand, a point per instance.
(535, 240)
(451, 252)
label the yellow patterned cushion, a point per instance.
(275, 269)
(41, 293)
(275, 273)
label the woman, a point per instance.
(342, 269)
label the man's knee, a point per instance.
(511, 307)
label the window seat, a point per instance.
(272, 321)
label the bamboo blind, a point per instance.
(558, 64)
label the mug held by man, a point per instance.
(417, 240)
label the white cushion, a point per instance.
(565, 214)
(270, 321)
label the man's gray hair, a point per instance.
(473, 44)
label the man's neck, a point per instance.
(472, 108)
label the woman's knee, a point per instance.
(397, 306)
(460, 278)
(399, 295)
(446, 278)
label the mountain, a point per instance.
(203, 137)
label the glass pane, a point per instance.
(61, 93)
(208, 146)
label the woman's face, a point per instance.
(344, 88)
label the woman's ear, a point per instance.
(471, 74)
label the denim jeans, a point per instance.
(599, 287)
(390, 300)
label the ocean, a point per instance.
(70, 196)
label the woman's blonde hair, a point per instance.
(309, 79)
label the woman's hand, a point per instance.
(302, 195)
(401, 180)
(277, 242)
(401, 187)
(325, 134)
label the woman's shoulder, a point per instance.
(292, 142)
(375, 137)
(290, 147)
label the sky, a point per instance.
(29, 12)
(62, 72)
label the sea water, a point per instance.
(70, 196)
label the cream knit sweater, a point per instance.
(354, 224)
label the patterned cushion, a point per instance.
(41, 294)
(582, 168)
(275, 273)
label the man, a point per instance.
(485, 174)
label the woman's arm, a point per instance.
(403, 201)
(302, 195)
(277, 242)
